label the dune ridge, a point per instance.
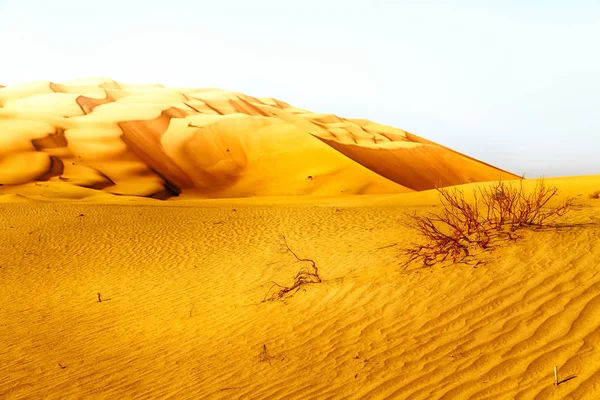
(153, 141)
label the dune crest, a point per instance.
(153, 141)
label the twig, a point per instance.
(389, 245)
(365, 360)
(264, 355)
(305, 276)
(100, 298)
(298, 258)
(555, 376)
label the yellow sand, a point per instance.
(182, 282)
(152, 141)
(182, 318)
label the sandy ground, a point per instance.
(182, 316)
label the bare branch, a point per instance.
(461, 226)
(305, 275)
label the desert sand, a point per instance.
(158, 142)
(182, 283)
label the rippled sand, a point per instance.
(182, 316)
(110, 293)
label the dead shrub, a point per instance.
(594, 195)
(306, 275)
(464, 227)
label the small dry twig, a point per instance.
(365, 360)
(264, 355)
(305, 276)
(100, 298)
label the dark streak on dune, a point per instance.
(375, 134)
(51, 141)
(174, 112)
(381, 134)
(57, 88)
(169, 191)
(87, 104)
(192, 107)
(174, 190)
(221, 112)
(213, 108)
(281, 104)
(56, 169)
(246, 108)
(100, 185)
(143, 138)
(352, 136)
(96, 186)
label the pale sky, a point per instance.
(512, 83)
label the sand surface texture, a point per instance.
(93, 137)
(182, 316)
(110, 293)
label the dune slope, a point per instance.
(182, 316)
(162, 142)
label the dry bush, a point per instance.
(306, 275)
(494, 214)
(594, 195)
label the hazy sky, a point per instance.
(513, 83)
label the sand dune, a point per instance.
(182, 317)
(109, 292)
(148, 140)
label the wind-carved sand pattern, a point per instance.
(111, 297)
(97, 136)
(186, 318)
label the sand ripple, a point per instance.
(185, 318)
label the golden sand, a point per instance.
(182, 316)
(129, 297)
(159, 142)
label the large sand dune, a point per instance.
(182, 317)
(96, 136)
(182, 283)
